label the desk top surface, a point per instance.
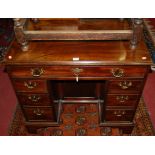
(79, 53)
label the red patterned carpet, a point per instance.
(87, 127)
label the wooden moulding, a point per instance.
(80, 35)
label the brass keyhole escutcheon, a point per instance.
(76, 72)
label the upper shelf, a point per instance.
(76, 29)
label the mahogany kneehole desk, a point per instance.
(50, 74)
(91, 66)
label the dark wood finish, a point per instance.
(76, 24)
(39, 113)
(122, 100)
(21, 38)
(89, 53)
(109, 74)
(30, 85)
(117, 86)
(137, 31)
(84, 71)
(30, 99)
(119, 115)
(77, 29)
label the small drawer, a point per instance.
(125, 86)
(119, 115)
(26, 85)
(39, 113)
(29, 99)
(80, 71)
(122, 100)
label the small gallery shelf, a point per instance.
(77, 29)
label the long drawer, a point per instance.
(81, 71)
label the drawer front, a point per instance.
(125, 86)
(122, 100)
(29, 99)
(81, 71)
(119, 115)
(25, 85)
(39, 113)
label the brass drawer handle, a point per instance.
(117, 72)
(76, 72)
(119, 113)
(38, 112)
(37, 72)
(125, 84)
(34, 98)
(30, 84)
(122, 98)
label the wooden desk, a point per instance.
(45, 76)
(53, 73)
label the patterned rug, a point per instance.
(86, 127)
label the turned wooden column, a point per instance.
(137, 26)
(20, 36)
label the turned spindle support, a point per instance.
(20, 36)
(137, 26)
